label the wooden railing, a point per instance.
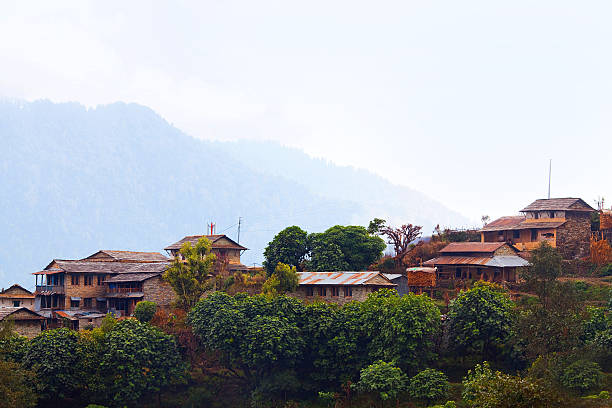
(124, 290)
(50, 288)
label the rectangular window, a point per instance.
(100, 280)
(88, 280)
(75, 279)
(16, 303)
(458, 273)
(516, 234)
(87, 303)
(335, 291)
(322, 291)
(348, 291)
(309, 291)
(534, 235)
(74, 304)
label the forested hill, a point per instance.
(75, 180)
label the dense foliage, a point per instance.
(144, 311)
(385, 380)
(429, 385)
(290, 246)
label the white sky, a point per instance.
(465, 101)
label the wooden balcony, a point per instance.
(49, 289)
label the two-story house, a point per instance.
(17, 296)
(565, 223)
(226, 250)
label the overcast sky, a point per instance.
(465, 101)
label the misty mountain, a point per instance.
(75, 180)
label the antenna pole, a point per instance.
(239, 223)
(549, 174)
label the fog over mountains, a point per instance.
(76, 180)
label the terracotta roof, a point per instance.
(131, 256)
(193, 239)
(507, 261)
(565, 204)
(342, 278)
(504, 223)
(7, 311)
(472, 247)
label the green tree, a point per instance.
(480, 319)
(382, 379)
(399, 328)
(546, 267)
(290, 246)
(359, 249)
(144, 311)
(57, 357)
(190, 272)
(18, 387)
(288, 278)
(485, 388)
(375, 226)
(138, 359)
(582, 376)
(429, 386)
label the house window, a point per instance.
(534, 235)
(100, 280)
(536, 215)
(516, 234)
(322, 291)
(74, 303)
(335, 291)
(458, 273)
(75, 279)
(16, 303)
(348, 291)
(552, 214)
(87, 303)
(88, 280)
(309, 291)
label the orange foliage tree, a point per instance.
(601, 252)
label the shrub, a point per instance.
(144, 311)
(383, 379)
(17, 388)
(429, 385)
(581, 376)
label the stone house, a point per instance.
(400, 280)
(25, 321)
(226, 250)
(105, 281)
(17, 296)
(339, 287)
(489, 261)
(565, 223)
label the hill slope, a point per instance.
(75, 180)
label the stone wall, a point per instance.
(505, 251)
(574, 237)
(28, 328)
(158, 291)
(83, 291)
(360, 293)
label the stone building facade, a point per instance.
(25, 321)
(17, 296)
(339, 287)
(225, 249)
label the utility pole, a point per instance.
(239, 223)
(549, 174)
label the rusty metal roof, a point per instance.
(421, 269)
(506, 261)
(342, 278)
(561, 204)
(504, 223)
(481, 247)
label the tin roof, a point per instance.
(505, 261)
(392, 276)
(472, 247)
(504, 223)
(421, 269)
(343, 278)
(215, 239)
(564, 204)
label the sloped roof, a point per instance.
(71, 266)
(216, 240)
(130, 256)
(483, 247)
(14, 292)
(505, 261)
(343, 278)
(7, 311)
(510, 225)
(565, 204)
(504, 223)
(392, 276)
(130, 277)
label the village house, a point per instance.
(421, 279)
(225, 249)
(17, 296)
(25, 321)
(107, 281)
(400, 280)
(339, 287)
(565, 223)
(489, 261)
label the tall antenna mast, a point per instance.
(239, 222)
(549, 174)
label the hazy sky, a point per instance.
(465, 101)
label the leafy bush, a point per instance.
(383, 379)
(144, 311)
(429, 385)
(581, 376)
(18, 387)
